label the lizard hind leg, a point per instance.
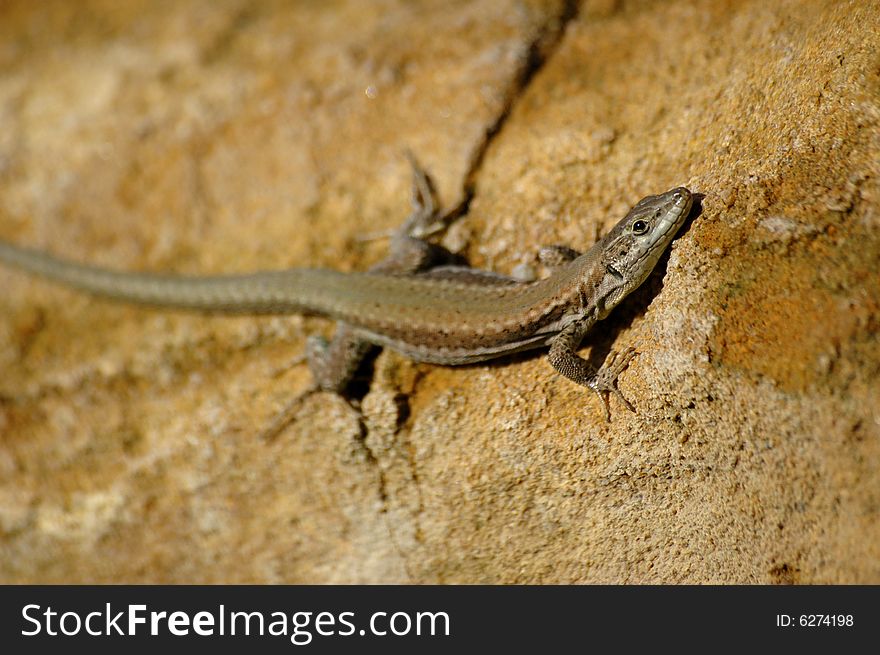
(409, 251)
(424, 219)
(334, 364)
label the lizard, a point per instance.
(415, 303)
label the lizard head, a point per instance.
(631, 249)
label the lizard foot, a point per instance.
(425, 218)
(605, 381)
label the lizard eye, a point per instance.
(639, 227)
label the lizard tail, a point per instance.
(269, 292)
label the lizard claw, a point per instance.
(286, 416)
(425, 218)
(605, 382)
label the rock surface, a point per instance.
(232, 136)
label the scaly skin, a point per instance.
(444, 315)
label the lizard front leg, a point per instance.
(553, 256)
(564, 358)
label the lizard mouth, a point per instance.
(614, 272)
